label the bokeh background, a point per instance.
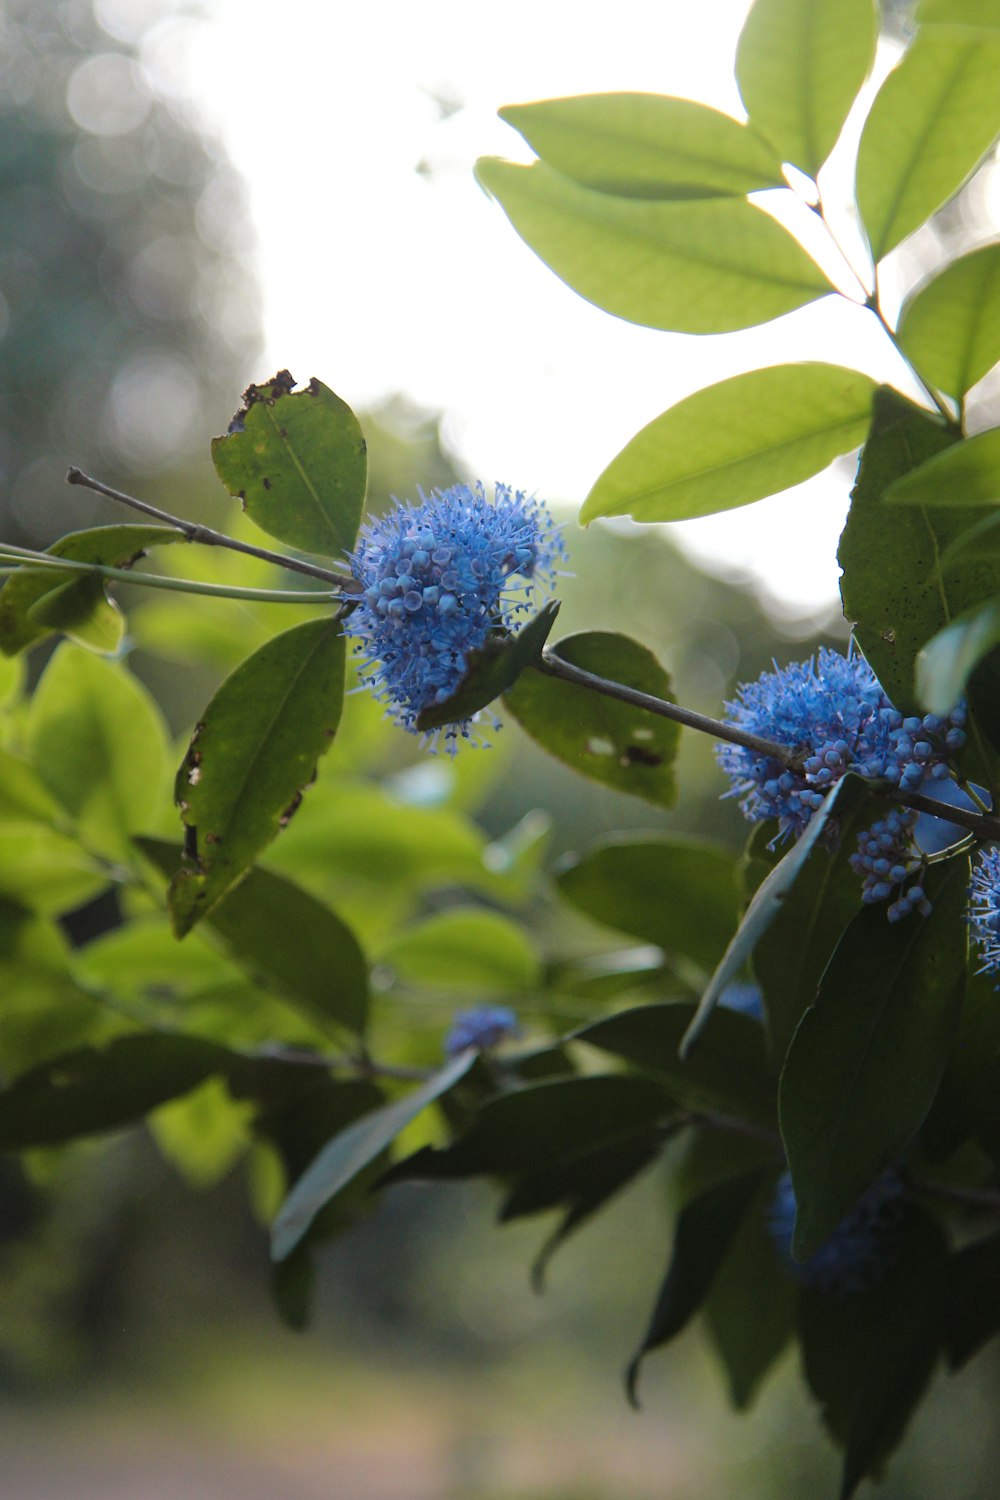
(192, 195)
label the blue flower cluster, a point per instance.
(482, 1026)
(984, 907)
(833, 712)
(858, 1251)
(434, 580)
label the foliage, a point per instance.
(855, 1208)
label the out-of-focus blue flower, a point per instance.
(984, 908)
(435, 579)
(746, 998)
(832, 711)
(481, 1026)
(858, 1251)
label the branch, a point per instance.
(204, 534)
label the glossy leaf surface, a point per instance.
(646, 145)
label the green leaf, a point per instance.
(288, 941)
(699, 266)
(799, 66)
(292, 1282)
(492, 669)
(99, 745)
(583, 1185)
(348, 1153)
(464, 948)
(949, 658)
(547, 1124)
(23, 798)
(44, 1010)
(750, 1308)
(646, 145)
(81, 610)
(298, 462)
(933, 120)
(91, 1091)
(613, 743)
(249, 759)
(949, 327)
(893, 586)
(790, 955)
(728, 1072)
(982, 13)
(46, 870)
(967, 1105)
(867, 1058)
(676, 893)
(735, 442)
(76, 602)
(768, 901)
(705, 1230)
(966, 474)
(869, 1355)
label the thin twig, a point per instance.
(44, 562)
(556, 666)
(205, 534)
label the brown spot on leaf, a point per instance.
(266, 482)
(638, 755)
(190, 841)
(212, 838)
(290, 811)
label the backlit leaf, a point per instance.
(699, 266)
(949, 658)
(735, 442)
(933, 120)
(799, 65)
(950, 325)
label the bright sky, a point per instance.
(385, 268)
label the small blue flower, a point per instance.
(482, 1026)
(860, 1248)
(435, 579)
(984, 908)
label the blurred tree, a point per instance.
(128, 301)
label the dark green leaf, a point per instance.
(893, 587)
(292, 1282)
(799, 65)
(613, 743)
(492, 670)
(967, 1105)
(751, 1306)
(950, 325)
(700, 266)
(948, 660)
(727, 1072)
(791, 954)
(351, 1151)
(867, 1058)
(582, 1185)
(735, 442)
(81, 610)
(89, 1091)
(769, 899)
(973, 1299)
(547, 1125)
(288, 941)
(111, 546)
(676, 893)
(298, 462)
(869, 1355)
(646, 145)
(705, 1230)
(99, 745)
(933, 120)
(253, 753)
